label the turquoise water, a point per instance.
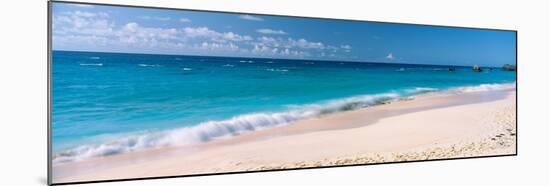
(106, 103)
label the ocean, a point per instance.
(109, 103)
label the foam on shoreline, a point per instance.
(237, 125)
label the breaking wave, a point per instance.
(277, 70)
(223, 128)
(91, 64)
(209, 130)
(148, 65)
(485, 87)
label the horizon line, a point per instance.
(324, 60)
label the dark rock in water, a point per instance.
(452, 69)
(509, 67)
(476, 68)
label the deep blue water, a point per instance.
(103, 97)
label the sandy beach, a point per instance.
(430, 126)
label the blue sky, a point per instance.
(159, 31)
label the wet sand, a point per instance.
(430, 126)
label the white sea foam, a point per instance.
(148, 65)
(95, 57)
(187, 69)
(91, 64)
(419, 90)
(276, 70)
(464, 89)
(223, 128)
(209, 130)
(485, 87)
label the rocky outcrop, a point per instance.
(476, 68)
(509, 67)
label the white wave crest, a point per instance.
(419, 90)
(485, 87)
(277, 70)
(147, 65)
(209, 130)
(91, 64)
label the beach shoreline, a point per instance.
(441, 129)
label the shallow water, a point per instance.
(106, 103)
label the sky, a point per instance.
(97, 28)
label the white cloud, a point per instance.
(83, 14)
(260, 49)
(131, 27)
(263, 50)
(79, 22)
(347, 47)
(270, 31)
(135, 29)
(199, 32)
(390, 56)
(251, 18)
(236, 37)
(218, 46)
(205, 32)
(185, 20)
(303, 43)
(136, 35)
(269, 41)
(156, 18)
(95, 31)
(289, 43)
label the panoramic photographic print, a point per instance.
(148, 92)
